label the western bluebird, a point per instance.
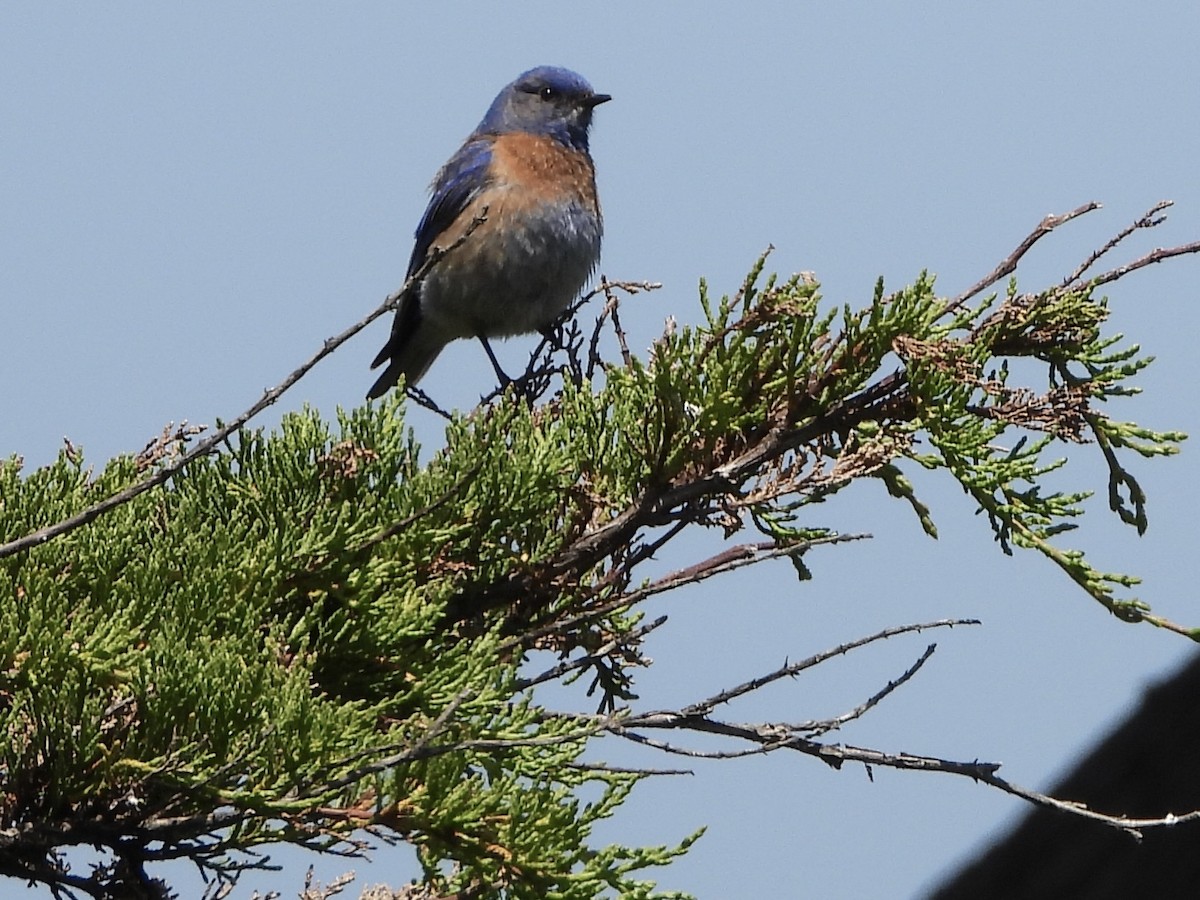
(528, 164)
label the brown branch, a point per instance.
(736, 558)
(726, 561)
(768, 738)
(1009, 264)
(704, 707)
(1149, 220)
(654, 505)
(1154, 256)
(212, 442)
(630, 287)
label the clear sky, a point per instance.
(191, 199)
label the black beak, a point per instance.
(595, 100)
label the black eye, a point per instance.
(546, 93)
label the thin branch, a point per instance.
(1131, 825)
(675, 750)
(644, 551)
(626, 770)
(1149, 220)
(630, 287)
(768, 738)
(1154, 256)
(816, 729)
(726, 561)
(423, 400)
(695, 715)
(221, 435)
(436, 727)
(791, 669)
(739, 557)
(398, 527)
(570, 665)
(595, 360)
(442, 721)
(413, 753)
(1009, 264)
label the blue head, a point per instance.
(546, 100)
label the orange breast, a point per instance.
(540, 168)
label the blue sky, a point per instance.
(191, 199)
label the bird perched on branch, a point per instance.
(527, 172)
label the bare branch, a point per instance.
(627, 770)
(768, 738)
(1009, 264)
(726, 561)
(819, 728)
(213, 441)
(1154, 256)
(1149, 220)
(704, 707)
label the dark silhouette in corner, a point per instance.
(1148, 767)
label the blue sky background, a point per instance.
(191, 199)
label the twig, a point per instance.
(739, 557)
(726, 561)
(442, 721)
(1009, 264)
(423, 400)
(1154, 256)
(791, 669)
(1149, 220)
(595, 360)
(581, 662)
(626, 770)
(768, 738)
(397, 527)
(406, 753)
(816, 729)
(644, 551)
(211, 443)
(630, 287)
(674, 749)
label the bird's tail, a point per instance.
(410, 357)
(411, 348)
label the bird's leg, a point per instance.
(505, 381)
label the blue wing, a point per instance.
(457, 184)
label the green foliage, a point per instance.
(246, 638)
(313, 631)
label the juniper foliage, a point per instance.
(316, 634)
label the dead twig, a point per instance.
(222, 434)
(1009, 264)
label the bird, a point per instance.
(527, 171)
